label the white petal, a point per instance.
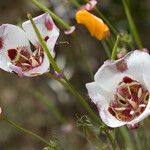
(43, 68)
(98, 95)
(110, 120)
(47, 29)
(12, 38)
(138, 64)
(102, 98)
(108, 76)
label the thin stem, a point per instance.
(54, 16)
(106, 48)
(27, 131)
(127, 137)
(132, 24)
(43, 44)
(68, 86)
(49, 104)
(114, 51)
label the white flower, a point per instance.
(121, 90)
(15, 48)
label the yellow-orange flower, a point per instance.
(95, 25)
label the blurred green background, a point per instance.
(24, 107)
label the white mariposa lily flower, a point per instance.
(121, 90)
(15, 48)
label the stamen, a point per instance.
(120, 97)
(120, 108)
(33, 62)
(142, 105)
(140, 93)
(23, 57)
(129, 89)
(133, 104)
(25, 64)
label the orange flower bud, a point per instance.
(95, 25)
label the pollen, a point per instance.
(130, 100)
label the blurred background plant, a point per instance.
(43, 105)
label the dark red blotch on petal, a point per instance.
(122, 66)
(48, 24)
(46, 38)
(12, 53)
(1, 43)
(111, 111)
(127, 80)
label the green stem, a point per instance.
(27, 131)
(68, 86)
(54, 16)
(114, 51)
(51, 107)
(106, 48)
(132, 25)
(127, 137)
(43, 43)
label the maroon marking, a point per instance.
(25, 53)
(48, 24)
(1, 43)
(111, 111)
(127, 80)
(46, 38)
(121, 66)
(130, 102)
(12, 53)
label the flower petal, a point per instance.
(95, 25)
(110, 120)
(138, 63)
(98, 95)
(11, 37)
(43, 68)
(47, 29)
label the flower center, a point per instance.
(21, 57)
(130, 100)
